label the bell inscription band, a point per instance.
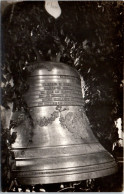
(60, 147)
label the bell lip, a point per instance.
(67, 178)
(49, 68)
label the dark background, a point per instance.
(87, 35)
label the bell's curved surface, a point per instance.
(60, 147)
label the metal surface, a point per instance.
(60, 147)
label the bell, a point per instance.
(60, 146)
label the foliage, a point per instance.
(7, 157)
(88, 35)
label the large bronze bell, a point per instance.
(60, 147)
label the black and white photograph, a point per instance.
(61, 96)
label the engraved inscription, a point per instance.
(54, 93)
